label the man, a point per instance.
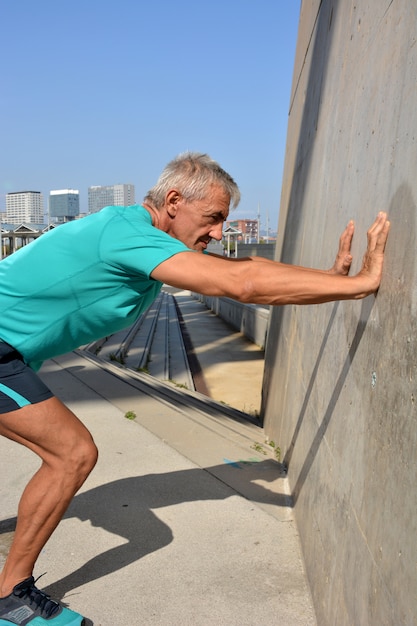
(94, 276)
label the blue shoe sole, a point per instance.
(65, 618)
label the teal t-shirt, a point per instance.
(81, 281)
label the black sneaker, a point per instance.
(28, 606)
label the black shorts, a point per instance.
(19, 385)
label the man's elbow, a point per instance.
(243, 291)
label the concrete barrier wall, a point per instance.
(340, 383)
(249, 319)
(265, 250)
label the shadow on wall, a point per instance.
(394, 324)
(399, 287)
(366, 310)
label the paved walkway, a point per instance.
(185, 520)
(231, 364)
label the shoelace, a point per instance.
(41, 599)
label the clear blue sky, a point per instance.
(99, 92)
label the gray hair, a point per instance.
(191, 173)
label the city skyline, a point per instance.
(140, 83)
(263, 218)
(235, 214)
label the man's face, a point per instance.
(196, 222)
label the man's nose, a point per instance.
(217, 232)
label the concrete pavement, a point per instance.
(185, 520)
(231, 364)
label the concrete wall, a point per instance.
(265, 250)
(249, 319)
(340, 386)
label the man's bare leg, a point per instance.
(68, 455)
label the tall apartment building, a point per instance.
(24, 207)
(64, 205)
(248, 228)
(112, 195)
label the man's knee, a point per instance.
(83, 456)
(53, 432)
(76, 458)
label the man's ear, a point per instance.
(172, 201)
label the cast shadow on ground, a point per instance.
(124, 508)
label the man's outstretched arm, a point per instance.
(248, 280)
(343, 259)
